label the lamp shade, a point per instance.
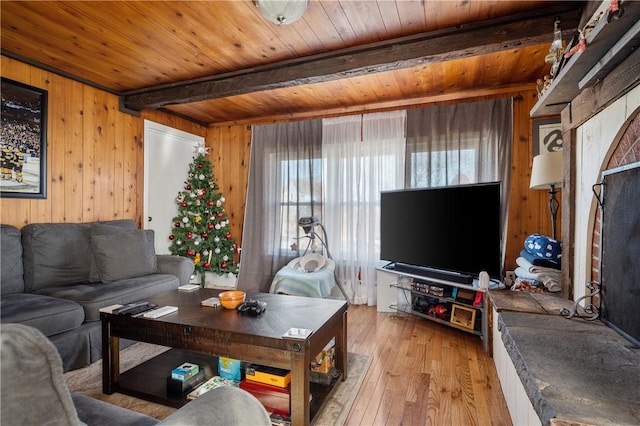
(281, 12)
(546, 170)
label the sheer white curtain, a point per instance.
(285, 178)
(349, 161)
(461, 144)
(363, 155)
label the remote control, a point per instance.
(160, 312)
(133, 308)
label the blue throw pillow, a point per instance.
(543, 247)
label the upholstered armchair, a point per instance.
(33, 392)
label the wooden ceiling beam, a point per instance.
(473, 95)
(524, 29)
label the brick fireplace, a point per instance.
(627, 151)
(620, 283)
(606, 141)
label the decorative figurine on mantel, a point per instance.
(554, 58)
(556, 49)
(200, 231)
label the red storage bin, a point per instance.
(273, 398)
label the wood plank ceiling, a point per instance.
(222, 62)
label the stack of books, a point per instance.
(212, 383)
(270, 385)
(268, 375)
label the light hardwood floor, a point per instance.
(422, 373)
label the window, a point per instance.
(444, 168)
(301, 186)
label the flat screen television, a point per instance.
(452, 233)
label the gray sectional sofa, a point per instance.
(56, 276)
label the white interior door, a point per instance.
(167, 155)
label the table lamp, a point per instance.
(546, 173)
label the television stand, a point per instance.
(437, 298)
(425, 272)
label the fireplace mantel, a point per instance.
(608, 44)
(611, 49)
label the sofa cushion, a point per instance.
(11, 273)
(58, 253)
(93, 296)
(55, 253)
(100, 228)
(124, 255)
(48, 314)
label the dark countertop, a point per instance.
(574, 371)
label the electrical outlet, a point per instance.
(511, 275)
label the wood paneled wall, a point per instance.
(528, 209)
(229, 149)
(94, 153)
(95, 161)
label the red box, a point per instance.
(273, 398)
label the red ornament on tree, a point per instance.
(184, 204)
(187, 187)
(189, 236)
(205, 235)
(219, 214)
(177, 224)
(206, 264)
(200, 165)
(171, 237)
(190, 252)
(223, 265)
(210, 203)
(210, 226)
(228, 236)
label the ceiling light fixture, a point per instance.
(281, 12)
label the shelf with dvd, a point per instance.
(456, 305)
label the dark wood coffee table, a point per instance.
(199, 334)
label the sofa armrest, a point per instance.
(92, 411)
(179, 266)
(225, 405)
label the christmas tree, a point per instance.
(200, 230)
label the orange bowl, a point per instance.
(231, 299)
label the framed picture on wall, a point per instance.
(547, 135)
(23, 146)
